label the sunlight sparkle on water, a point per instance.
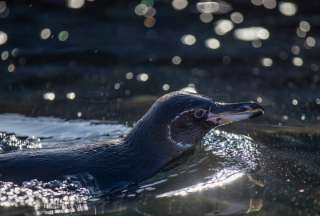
(45, 33)
(295, 49)
(166, 87)
(117, 86)
(236, 17)
(3, 7)
(188, 39)
(288, 8)
(297, 61)
(176, 60)
(221, 179)
(252, 33)
(304, 26)
(11, 68)
(3, 38)
(5, 55)
(206, 17)
(71, 95)
(267, 62)
(143, 77)
(208, 7)
(129, 75)
(49, 96)
(179, 4)
(215, 7)
(63, 36)
(149, 22)
(259, 99)
(222, 27)
(295, 102)
(212, 43)
(75, 4)
(141, 9)
(310, 42)
(270, 4)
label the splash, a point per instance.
(11, 142)
(237, 150)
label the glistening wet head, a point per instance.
(185, 118)
(190, 125)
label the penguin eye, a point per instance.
(199, 113)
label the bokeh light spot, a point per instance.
(75, 4)
(288, 8)
(212, 43)
(297, 61)
(63, 36)
(222, 27)
(267, 62)
(165, 87)
(45, 33)
(50, 96)
(142, 77)
(3, 38)
(176, 60)
(71, 95)
(236, 17)
(179, 4)
(188, 39)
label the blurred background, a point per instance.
(111, 59)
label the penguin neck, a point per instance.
(153, 140)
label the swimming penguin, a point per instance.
(174, 124)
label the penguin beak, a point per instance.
(226, 113)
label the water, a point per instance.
(228, 174)
(96, 66)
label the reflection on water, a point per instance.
(221, 179)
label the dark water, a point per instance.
(95, 70)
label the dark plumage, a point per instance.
(175, 122)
